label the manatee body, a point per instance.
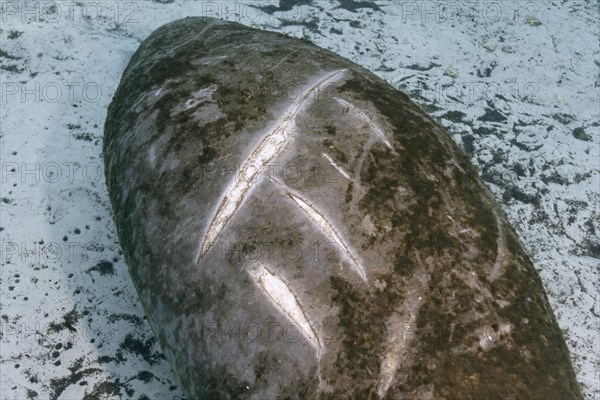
(298, 228)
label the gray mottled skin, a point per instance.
(450, 308)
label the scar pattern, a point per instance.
(269, 146)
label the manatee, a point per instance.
(297, 228)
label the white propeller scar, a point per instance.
(269, 147)
(337, 167)
(376, 129)
(324, 226)
(282, 297)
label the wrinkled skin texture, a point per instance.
(365, 259)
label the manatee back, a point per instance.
(298, 228)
